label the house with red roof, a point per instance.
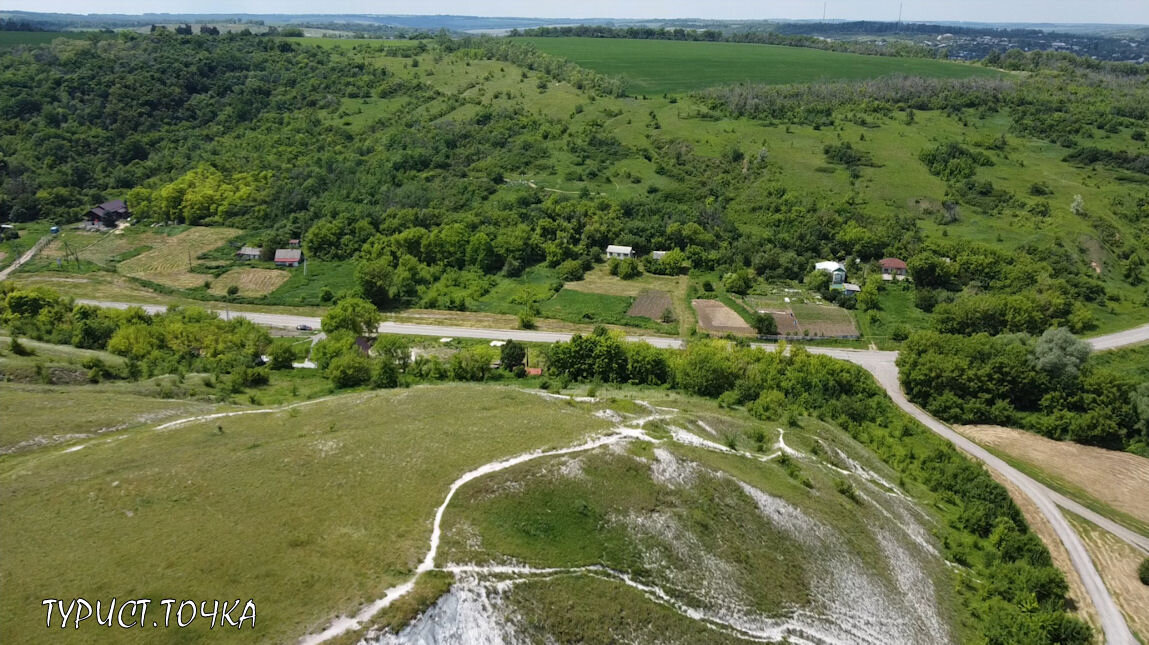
(893, 269)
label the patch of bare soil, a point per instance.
(1078, 599)
(717, 317)
(1118, 479)
(651, 304)
(1117, 563)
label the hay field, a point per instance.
(1117, 479)
(251, 282)
(1117, 563)
(168, 263)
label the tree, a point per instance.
(628, 269)
(354, 315)
(1143, 572)
(570, 271)
(512, 355)
(393, 349)
(375, 281)
(282, 356)
(765, 325)
(738, 281)
(1061, 354)
(868, 297)
(818, 280)
(349, 369)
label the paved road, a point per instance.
(28, 255)
(882, 365)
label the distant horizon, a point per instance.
(1070, 12)
(562, 18)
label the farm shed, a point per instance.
(657, 255)
(617, 252)
(288, 257)
(247, 253)
(892, 269)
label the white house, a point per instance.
(836, 270)
(617, 252)
(657, 255)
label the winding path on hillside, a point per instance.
(882, 364)
(26, 257)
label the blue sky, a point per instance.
(1111, 11)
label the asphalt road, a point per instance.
(882, 365)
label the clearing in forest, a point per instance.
(717, 317)
(251, 282)
(651, 304)
(169, 263)
(658, 66)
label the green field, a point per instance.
(660, 66)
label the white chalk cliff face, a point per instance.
(871, 575)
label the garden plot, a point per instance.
(717, 317)
(651, 304)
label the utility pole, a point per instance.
(900, 14)
(823, 12)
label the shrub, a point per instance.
(18, 348)
(628, 269)
(1143, 572)
(349, 369)
(385, 373)
(570, 271)
(282, 356)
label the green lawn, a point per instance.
(659, 66)
(310, 511)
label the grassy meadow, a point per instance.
(663, 66)
(344, 490)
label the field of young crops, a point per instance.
(660, 66)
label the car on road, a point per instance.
(304, 327)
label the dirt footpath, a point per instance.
(716, 317)
(1119, 479)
